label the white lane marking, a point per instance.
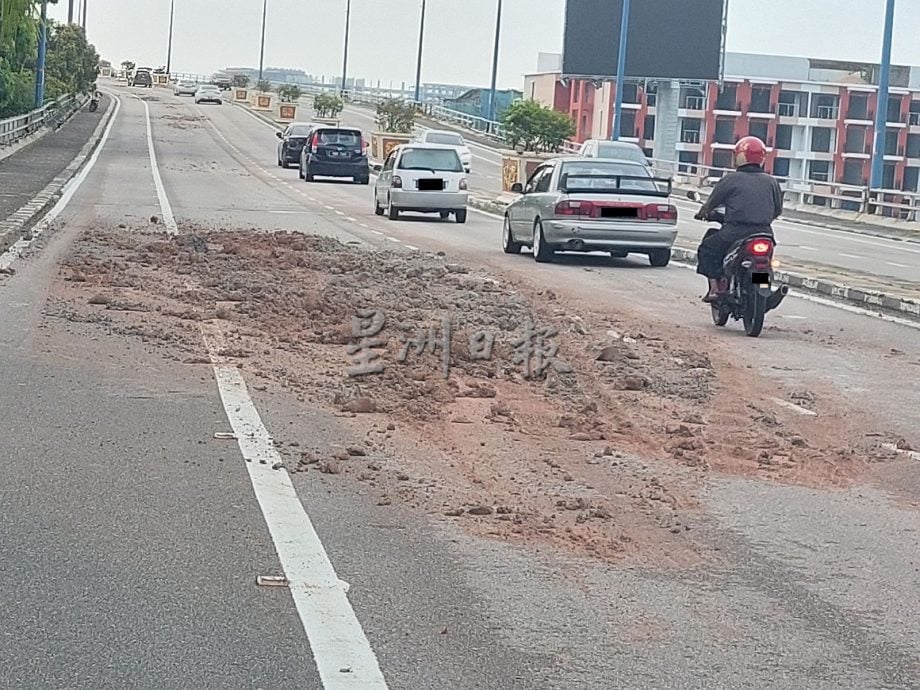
(339, 213)
(896, 265)
(169, 220)
(341, 650)
(329, 208)
(353, 220)
(912, 454)
(853, 309)
(392, 239)
(487, 214)
(67, 193)
(845, 236)
(412, 247)
(852, 256)
(795, 408)
(792, 316)
(807, 249)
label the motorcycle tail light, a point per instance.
(760, 247)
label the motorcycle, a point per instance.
(94, 103)
(747, 287)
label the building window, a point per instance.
(628, 124)
(894, 109)
(819, 171)
(690, 130)
(761, 130)
(853, 172)
(688, 161)
(856, 140)
(760, 100)
(651, 95)
(858, 108)
(915, 113)
(728, 98)
(821, 139)
(648, 129)
(913, 145)
(722, 159)
(692, 98)
(630, 93)
(792, 103)
(825, 107)
(911, 180)
(725, 130)
(891, 142)
(781, 167)
(784, 137)
(888, 176)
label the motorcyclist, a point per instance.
(752, 200)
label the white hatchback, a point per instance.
(424, 178)
(452, 139)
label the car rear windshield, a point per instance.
(605, 177)
(444, 138)
(301, 131)
(345, 137)
(628, 153)
(444, 160)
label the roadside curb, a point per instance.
(259, 115)
(14, 227)
(867, 299)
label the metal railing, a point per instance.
(788, 110)
(15, 128)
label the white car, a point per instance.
(185, 87)
(208, 93)
(424, 178)
(452, 139)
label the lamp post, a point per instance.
(345, 50)
(621, 68)
(172, 10)
(492, 91)
(70, 12)
(876, 179)
(418, 65)
(262, 48)
(40, 67)
(84, 16)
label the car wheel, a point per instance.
(363, 180)
(378, 209)
(460, 215)
(300, 170)
(392, 211)
(307, 175)
(508, 243)
(660, 258)
(542, 252)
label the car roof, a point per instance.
(442, 131)
(426, 145)
(594, 161)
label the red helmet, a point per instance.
(750, 151)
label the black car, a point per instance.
(335, 152)
(142, 78)
(292, 139)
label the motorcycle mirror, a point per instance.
(693, 196)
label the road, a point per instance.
(134, 536)
(806, 244)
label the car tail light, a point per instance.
(463, 184)
(314, 145)
(574, 208)
(662, 213)
(760, 247)
(397, 182)
(363, 145)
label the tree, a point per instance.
(328, 105)
(532, 126)
(290, 93)
(396, 115)
(128, 66)
(72, 64)
(18, 54)
(264, 85)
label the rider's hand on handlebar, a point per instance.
(700, 216)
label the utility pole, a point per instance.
(418, 66)
(876, 180)
(172, 10)
(345, 52)
(70, 11)
(84, 16)
(621, 69)
(492, 91)
(40, 68)
(262, 49)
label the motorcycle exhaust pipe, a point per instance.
(774, 300)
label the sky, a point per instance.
(308, 34)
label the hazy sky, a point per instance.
(308, 34)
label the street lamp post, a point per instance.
(418, 65)
(876, 179)
(70, 12)
(621, 69)
(40, 68)
(262, 48)
(172, 9)
(84, 15)
(492, 91)
(345, 51)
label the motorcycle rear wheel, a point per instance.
(719, 315)
(755, 306)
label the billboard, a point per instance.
(667, 39)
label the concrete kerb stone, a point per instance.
(867, 299)
(13, 228)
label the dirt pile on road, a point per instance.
(483, 401)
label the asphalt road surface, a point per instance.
(846, 251)
(133, 537)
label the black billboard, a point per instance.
(667, 39)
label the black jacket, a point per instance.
(752, 199)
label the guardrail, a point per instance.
(15, 128)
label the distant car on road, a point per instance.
(293, 138)
(424, 178)
(142, 77)
(615, 150)
(452, 139)
(185, 87)
(335, 152)
(208, 93)
(583, 205)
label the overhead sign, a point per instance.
(667, 39)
